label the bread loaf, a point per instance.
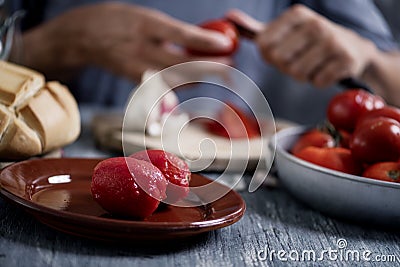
(35, 117)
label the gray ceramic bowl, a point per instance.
(335, 193)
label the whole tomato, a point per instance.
(376, 140)
(386, 111)
(345, 108)
(315, 138)
(128, 187)
(335, 158)
(225, 27)
(344, 138)
(385, 171)
(174, 169)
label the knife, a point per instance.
(346, 83)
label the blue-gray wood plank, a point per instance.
(273, 221)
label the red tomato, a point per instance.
(225, 27)
(234, 123)
(387, 111)
(335, 158)
(128, 187)
(174, 169)
(344, 138)
(315, 138)
(345, 108)
(385, 171)
(376, 140)
(215, 128)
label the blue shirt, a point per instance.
(287, 98)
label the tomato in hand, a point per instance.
(345, 108)
(385, 171)
(225, 27)
(386, 111)
(376, 140)
(335, 158)
(315, 138)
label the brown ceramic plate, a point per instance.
(57, 193)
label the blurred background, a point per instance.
(280, 100)
(390, 10)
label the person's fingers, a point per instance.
(307, 63)
(197, 72)
(297, 42)
(165, 55)
(221, 60)
(166, 28)
(131, 59)
(123, 60)
(330, 73)
(245, 20)
(132, 70)
(275, 31)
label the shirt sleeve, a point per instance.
(362, 16)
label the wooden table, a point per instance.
(275, 230)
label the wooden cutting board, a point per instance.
(201, 150)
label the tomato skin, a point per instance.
(335, 158)
(174, 169)
(315, 138)
(122, 186)
(225, 27)
(234, 123)
(345, 108)
(376, 140)
(344, 138)
(215, 128)
(384, 171)
(386, 111)
(230, 114)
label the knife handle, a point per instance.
(351, 83)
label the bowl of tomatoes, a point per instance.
(346, 169)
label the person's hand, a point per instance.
(123, 38)
(309, 47)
